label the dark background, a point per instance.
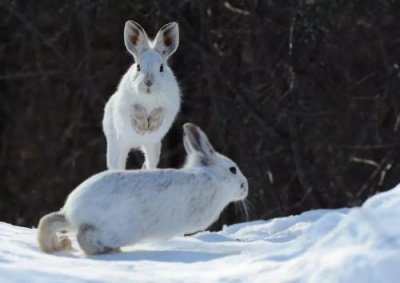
(303, 95)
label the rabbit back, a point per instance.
(133, 206)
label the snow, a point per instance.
(360, 244)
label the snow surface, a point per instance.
(346, 245)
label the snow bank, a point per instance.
(346, 245)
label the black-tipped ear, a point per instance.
(135, 38)
(197, 140)
(167, 40)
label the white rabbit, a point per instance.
(117, 208)
(142, 110)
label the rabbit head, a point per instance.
(202, 154)
(151, 72)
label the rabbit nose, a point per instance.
(148, 83)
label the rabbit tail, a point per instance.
(47, 236)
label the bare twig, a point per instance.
(30, 26)
(388, 159)
(17, 76)
(365, 161)
(236, 10)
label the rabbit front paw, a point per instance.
(139, 119)
(155, 119)
(140, 126)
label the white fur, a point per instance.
(127, 207)
(164, 92)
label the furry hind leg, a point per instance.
(89, 240)
(47, 237)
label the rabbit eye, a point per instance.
(138, 67)
(233, 170)
(161, 68)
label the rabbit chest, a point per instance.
(149, 117)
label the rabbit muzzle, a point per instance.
(244, 190)
(148, 84)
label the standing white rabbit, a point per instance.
(117, 208)
(142, 110)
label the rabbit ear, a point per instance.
(135, 37)
(196, 140)
(167, 40)
(186, 143)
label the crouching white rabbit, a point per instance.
(142, 110)
(117, 208)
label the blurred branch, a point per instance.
(365, 161)
(256, 115)
(16, 76)
(385, 164)
(30, 26)
(236, 10)
(367, 146)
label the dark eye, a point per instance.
(161, 68)
(233, 170)
(138, 67)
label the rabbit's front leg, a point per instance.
(116, 154)
(139, 119)
(152, 155)
(155, 119)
